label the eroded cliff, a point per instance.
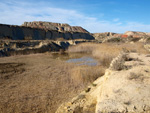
(48, 32)
(55, 26)
(37, 37)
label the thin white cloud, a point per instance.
(16, 12)
(22, 11)
(116, 19)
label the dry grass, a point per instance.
(42, 87)
(44, 83)
(105, 52)
(86, 74)
(136, 76)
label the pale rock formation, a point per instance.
(135, 34)
(54, 26)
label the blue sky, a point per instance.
(94, 15)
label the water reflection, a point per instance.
(84, 61)
(77, 58)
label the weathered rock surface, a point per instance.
(102, 36)
(126, 90)
(15, 47)
(129, 36)
(37, 37)
(54, 26)
(135, 33)
(9, 48)
(28, 33)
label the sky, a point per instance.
(96, 16)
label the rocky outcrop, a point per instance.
(124, 89)
(54, 26)
(136, 34)
(129, 36)
(28, 33)
(102, 36)
(38, 37)
(22, 47)
(9, 48)
(131, 33)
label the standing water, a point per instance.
(84, 61)
(77, 58)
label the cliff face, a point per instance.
(29, 37)
(22, 47)
(36, 33)
(55, 26)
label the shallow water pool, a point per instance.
(84, 61)
(77, 58)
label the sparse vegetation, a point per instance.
(135, 76)
(115, 39)
(94, 84)
(127, 103)
(87, 89)
(118, 63)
